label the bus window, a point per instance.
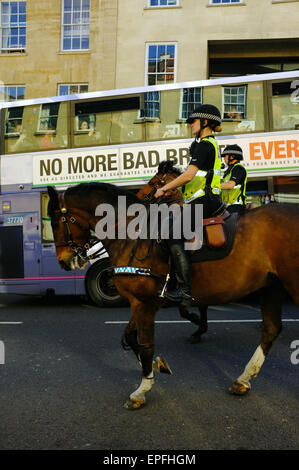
(47, 233)
(42, 127)
(284, 102)
(105, 122)
(14, 121)
(164, 114)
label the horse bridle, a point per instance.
(68, 219)
(161, 181)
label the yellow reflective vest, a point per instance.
(235, 195)
(197, 187)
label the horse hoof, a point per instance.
(160, 365)
(133, 405)
(195, 338)
(239, 389)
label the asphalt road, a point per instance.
(65, 380)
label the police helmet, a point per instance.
(233, 150)
(209, 112)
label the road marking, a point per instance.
(11, 322)
(209, 321)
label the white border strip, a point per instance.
(173, 86)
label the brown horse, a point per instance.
(166, 173)
(265, 255)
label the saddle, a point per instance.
(218, 238)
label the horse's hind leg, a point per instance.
(144, 319)
(201, 320)
(271, 305)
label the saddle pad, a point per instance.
(207, 253)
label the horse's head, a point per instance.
(71, 231)
(166, 173)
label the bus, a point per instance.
(121, 136)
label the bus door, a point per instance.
(20, 246)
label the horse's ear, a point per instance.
(54, 201)
(165, 166)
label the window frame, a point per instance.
(148, 44)
(245, 86)
(20, 48)
(162, 6)
(225, 2)
(69, 85)
(40, 118)
(6, 87)
(196, 103)
(72, 26)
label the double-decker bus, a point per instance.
(121, 136)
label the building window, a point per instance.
(224, 2)
(71, 89)
(162, 3)
(12, 93)
(75, 25)
(13, 26)
(191, 98)
(161, 64)
(48, 117)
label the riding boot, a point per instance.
(182, 294)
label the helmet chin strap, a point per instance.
(202, 127)
(231, 159)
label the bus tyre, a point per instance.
(100, 287)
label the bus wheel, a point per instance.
(100, 287)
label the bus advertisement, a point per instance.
(121, 136)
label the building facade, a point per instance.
(52, 47)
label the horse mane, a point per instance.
(167, 167)
(84, 189)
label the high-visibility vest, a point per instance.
(197, 187)
(235, 195)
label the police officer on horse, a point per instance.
(200, 184)
(233, 187)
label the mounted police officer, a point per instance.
(200, 184)
(233, 187)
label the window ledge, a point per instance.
(13, 54)
(171, 7)
(284, 1)
(49, 132)
(243, 4)
(87, 51)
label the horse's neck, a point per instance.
(120, 250)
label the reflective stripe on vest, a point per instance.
(197, 187)
(235, 195)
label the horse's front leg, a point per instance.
(144, 319)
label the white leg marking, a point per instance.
(253, 367)
(144, 387)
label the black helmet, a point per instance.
(234, 150)
(206, 111)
